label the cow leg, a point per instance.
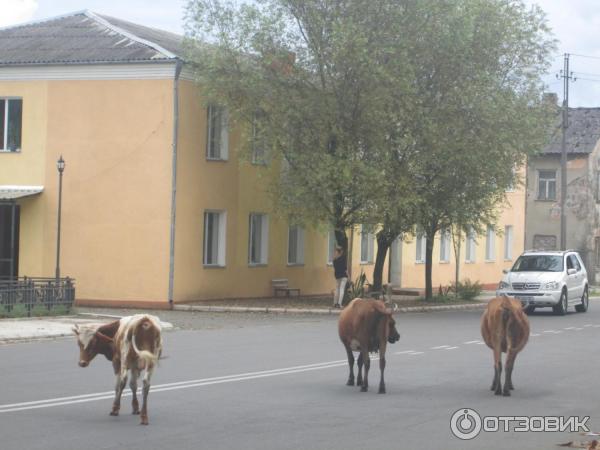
(381, 368)
(120, 385)
(497, 384)
(135, 406)
(510, 362)
(350, 381)
(359, 377)
(367, 363)
(145, 391)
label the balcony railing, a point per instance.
(29, 296)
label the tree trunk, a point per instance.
(429, 265)
(383, 244)
(457, 241)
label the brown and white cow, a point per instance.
(505, 328)
(133, 344)
(366, 326)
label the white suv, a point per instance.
(545, 278)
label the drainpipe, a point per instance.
(178, 68)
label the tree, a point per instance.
(323, 80)
(478, 68)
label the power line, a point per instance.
(585, 56)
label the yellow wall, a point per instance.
(488, 273)
(115, 137)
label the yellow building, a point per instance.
(156, 208)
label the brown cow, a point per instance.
(366, 326)
(505, 328)
(132, 343)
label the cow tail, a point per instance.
(148, 357)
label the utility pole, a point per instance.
(566, 76)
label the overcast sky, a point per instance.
(576, 24)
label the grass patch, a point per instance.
(594, 293)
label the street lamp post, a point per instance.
(60, 165)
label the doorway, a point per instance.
(9, 240)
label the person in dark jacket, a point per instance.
(340, 267)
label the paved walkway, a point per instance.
(12, 330)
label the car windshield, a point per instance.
(539, 263)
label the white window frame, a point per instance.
(223, 140)
(471, 243)
(221, 238)
(445, 246)
(546, 184)
(370, 238)
(421, 245)
(263, 256)
(258, 147)
(299, 250)
(508, 242)
(4, 144)
(490, 244)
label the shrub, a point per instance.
(467, 289)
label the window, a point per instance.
(331, 244)
(258, 141)
(11, 111)
(471, 246)
(295, 245)
(574, 263)
(217, 134)
(421, 243)
(214, 238)
(547, 185)
(490, 244)
(366, 246)
(508, 242)
(258, 239)
(511, 186)
(445, 245)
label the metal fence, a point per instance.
(29, 296)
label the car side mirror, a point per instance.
(505, 271)
(571, 271)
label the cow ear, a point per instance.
(381, 309)
(75, 329)
(103, 338)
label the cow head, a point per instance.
(393, 335)
(91, 342)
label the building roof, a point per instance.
(12, 192)
(582, 134)
(85, 38)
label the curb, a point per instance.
(252, 309)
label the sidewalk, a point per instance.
(18, 330)
(292, 305)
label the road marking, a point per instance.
(534, 334)
(553, 331)
(416, 353)
(481, 343)
(471, 342)
(451, 348)
(47, 403)
(587, 325)
(577, 329)
(404, 352)
(440, 347)
(569, 328)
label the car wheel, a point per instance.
(585, 301)
(529, 309)
(561, 307)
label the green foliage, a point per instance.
(356, 288)
(467, 289)
(392, 113)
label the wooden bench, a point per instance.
(281, 285)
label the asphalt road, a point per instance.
(278, 382)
